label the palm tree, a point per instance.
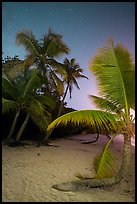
(114, 68)
(71, 72)
(21, 96)
(43, 54)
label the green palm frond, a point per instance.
(27, 39)
(114, 71)
(105, 163)
(41, 121)
(100, 120)
(105, 104)
(53, 44)
(40, 116)
(58, 83)
(58, 67)
(36, 106)
(46, 100)
(29, 61)
(31, 84)
(78, 75)
(75, 82)
(8, 88)
(8, 105)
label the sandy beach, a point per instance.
(29, 172)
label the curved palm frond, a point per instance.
(31, 84)
(53, 45)
(41, 121)
(115, 74)
(105, 163)
(40, 116)
(58, 67)
(29, 61)
(46, 100)
(8, 105)
(75, 82)
(105, 104)
(27, 39)
(57, 82)
(78, 75)
(100, 120)
(8, 88)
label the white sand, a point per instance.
(28, 173)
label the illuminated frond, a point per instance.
(106, 163)
(100, 120)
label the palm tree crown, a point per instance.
(114, 69)
(21, 95)
(72, 72)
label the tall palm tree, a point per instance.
(114, 68)
(21, 96)
(43, 54)
(71, 72)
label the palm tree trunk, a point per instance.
(13, 126)
(47, 135)
(61, 105)
(126, 156)
(95, 182)
(22, 127)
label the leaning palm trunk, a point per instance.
(97, 182)
(22, 127)
(13, 126)
(126, 156)
(60, 109)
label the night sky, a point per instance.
(85, 26)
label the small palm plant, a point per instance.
(20, 95)
(114, 68)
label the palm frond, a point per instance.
(46, 100)
(54, 45)
(114, 70)
(32, 84)
(8, 88)
(40, 116)
(27, 39)
(8, 105)
(105, 163)
(41, 121)
(58, 67)
(36, 106)
(75, 82)
(78, 75)
(29, 61)
(100, 120)
(58, 83)
(105, 104)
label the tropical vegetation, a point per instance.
(21, 95)
(113, 67)
(38, 75)
(71, 72)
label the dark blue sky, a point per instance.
(85, 26)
